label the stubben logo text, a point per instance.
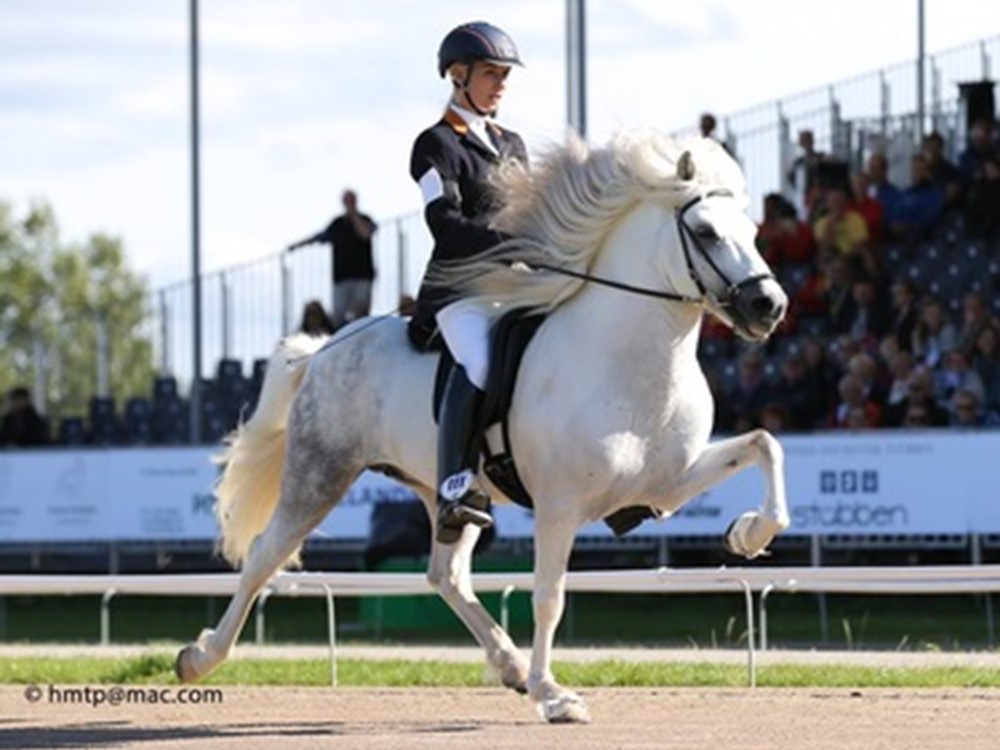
(849, 502)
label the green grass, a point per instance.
(158, 669)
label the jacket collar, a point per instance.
(461, 126)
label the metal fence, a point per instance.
(247, 308)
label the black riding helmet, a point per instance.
(476, 41)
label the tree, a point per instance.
(54, 301)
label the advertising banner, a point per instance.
(899, 483)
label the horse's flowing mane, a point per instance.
(560, 211)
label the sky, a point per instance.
(301, 99)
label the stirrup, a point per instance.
(456, 510)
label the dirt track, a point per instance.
(414, 719)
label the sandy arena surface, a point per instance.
(490, 718)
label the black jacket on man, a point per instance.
(458, 219)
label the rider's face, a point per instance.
(487, 83)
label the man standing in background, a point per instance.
(350, 238)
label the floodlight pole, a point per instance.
(195, 236)
(576, 66)
(921, 65)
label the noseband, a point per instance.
(688, 239)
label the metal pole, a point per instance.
(816, 560)
(400, 259)
(576, 66)
(164, 334)
(227, 343)
(921, 60)
(40, 396)
(195, 236)
(103, 358)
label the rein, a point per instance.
(688, 237)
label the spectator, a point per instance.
(905, 313)
(864, 367)
(956, 375)
(315, 321)
(802, 397)
(942, 172)
(983, 202)
(916, 417)
(985, 359)
(22, 426)
(919, 400)
(841, 228)
(975, 317)
(967, 411)
(837, 276)
(858, 419)
(868, 207)
(870, 317)
(774, 418)
(750, 393)
(804, 173)
(350, 238)
(706, 126)
(980, 148)
(920, 205)
(852, 396)
(934, 334)
(782, 238)
(820, 373)
(879, 187)
(901, 369)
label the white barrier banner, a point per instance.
(877, 483)
(859, 484)
(55, 495)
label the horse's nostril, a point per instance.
(763, 305)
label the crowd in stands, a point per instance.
(894, 293)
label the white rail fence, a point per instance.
(764, 582)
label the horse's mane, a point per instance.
(560, 211)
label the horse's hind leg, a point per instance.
(751, 533)
(306, 497)
(450, 573)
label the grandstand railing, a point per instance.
(247, 308)
(906, 580)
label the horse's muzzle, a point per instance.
(758, 307)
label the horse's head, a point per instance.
(721, 258)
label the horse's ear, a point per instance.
(685, 166)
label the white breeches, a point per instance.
(465, 326)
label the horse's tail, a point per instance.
(248, 491)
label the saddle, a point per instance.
(510, 337)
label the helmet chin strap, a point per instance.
(464, 88)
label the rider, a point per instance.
(451, 161)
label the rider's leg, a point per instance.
(465, 328)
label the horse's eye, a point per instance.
(705, 232)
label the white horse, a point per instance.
(611, 408)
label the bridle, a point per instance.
(688, 240)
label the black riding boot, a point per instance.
(459, 502)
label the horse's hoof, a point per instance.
(566, 709)
(727, 539)
(182, 665)
(750, 534)
(515, 678)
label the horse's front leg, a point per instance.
(553, 544)
(751, 533)
(450, 573)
